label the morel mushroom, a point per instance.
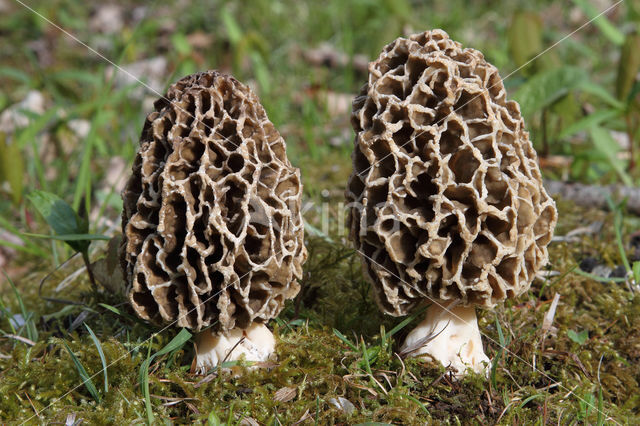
(212, 227)
(446, 199)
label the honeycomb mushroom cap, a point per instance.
(212, 228)
(446, 195)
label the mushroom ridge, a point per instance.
(446, 193)
(212, 228)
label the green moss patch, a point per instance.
(588, 361)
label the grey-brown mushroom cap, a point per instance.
(446, 194)
(212, 226)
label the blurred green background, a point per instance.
(306, 60)
(70, 122)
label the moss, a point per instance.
(318, 366)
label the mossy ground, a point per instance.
(582, 379)
(565, 386)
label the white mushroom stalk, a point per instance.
(254, 343)
(449, 334)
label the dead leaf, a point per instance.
(16, 115)
(285, 394)
(192, 407)
(194, 361)
(304, 417)
(107, 19)
(547, 322)
(339, 103)
(7, 253)
(349, 379)
(329, 56)
(571, 355)
(573, 236)
(70, 420)
(80, 127)
(343, 404)
(199, 40)
(206, 380)
(152, 72)
(265, 364)
(249, 421)
(20, 338)
(108, 271)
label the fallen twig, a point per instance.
(595, 195)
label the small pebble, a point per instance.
(588, 263)
(619, 272)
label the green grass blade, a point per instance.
(12, 164)
(605, 145)
(19, 247)
(32, 331)
(112, 309)
(420, 404)
(605, 26)
(28, 244)
(406, 321)
(546, 87)
(86, 379)
(529, 399)
(234, 32)
(69, 237)
(600, 419)
(599, 278)
(345, 340)
(4, 311)
(636, 272)
(584, 124)
(496, 359)
(83, 180)
(213, 419)
(601, 93)
(230, 416)
(17, 294)
(144, 385)
(28, 135)
(617, 226)
(118, 312)
(15, 74)
(176, 343)
(102, 357)
(365, 357)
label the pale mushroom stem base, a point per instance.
(449, 335)
(255, 343)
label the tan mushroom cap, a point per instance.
(446, 192)
(213, 233)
